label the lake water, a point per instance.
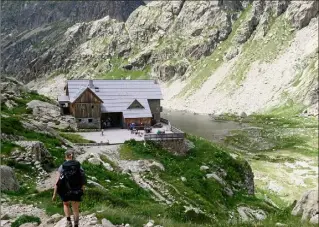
(200, 125)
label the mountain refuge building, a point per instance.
(121, 102)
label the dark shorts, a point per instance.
(72, 197)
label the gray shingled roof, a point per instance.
(117, 95)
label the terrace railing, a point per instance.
(165, 136)
(175, 134)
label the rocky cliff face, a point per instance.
(30, 28)
(199, 50)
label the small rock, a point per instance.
(204, 168)
(278, 224)
(183, 179)
(127, 225)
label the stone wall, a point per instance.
(83, 123)
(155, 106)
(177, 146)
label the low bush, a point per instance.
(25, 219)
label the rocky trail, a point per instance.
(92, 154)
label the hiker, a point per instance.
(102, 131)
(70, 186)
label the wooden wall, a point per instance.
(87, 110)
(86, 106)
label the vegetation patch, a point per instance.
(196, 186)
(7, 147)
(25, 219)
(21, 107)
(117, 72)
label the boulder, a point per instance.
(217, 178)
(43, 109)
(95, 161)
(307, 206)
(35, 151)
(107, 166)
(233, 52)
(107, 223)
(8, 179)
(247, 214)
(243, 115)
(300, 13)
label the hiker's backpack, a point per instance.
(71, 180)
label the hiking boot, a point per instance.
(68, 224)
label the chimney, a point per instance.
(91, 85)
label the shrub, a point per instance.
(25, 219)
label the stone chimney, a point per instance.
(91, 85)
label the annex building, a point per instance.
(93, 102)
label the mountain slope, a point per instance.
(30, 28)
(210, 56)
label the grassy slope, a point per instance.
(117, 72)
(291, 139)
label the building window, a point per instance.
(79, 120)
(92, 106)
(90, 120)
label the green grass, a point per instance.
(25, 219)
(205, 68)
(75, 138)
(7, 147)
(118, 73)
(195, 187)
(13, 126)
